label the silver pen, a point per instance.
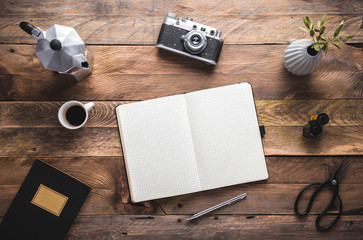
(228, 202)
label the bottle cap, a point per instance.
(323, 118)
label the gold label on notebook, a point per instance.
(49, 200)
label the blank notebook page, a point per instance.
(158, 148)
(226, 136)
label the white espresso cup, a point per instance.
(74, 114)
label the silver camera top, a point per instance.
(189, 25)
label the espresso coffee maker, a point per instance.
(61, 49)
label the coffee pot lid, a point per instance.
(57, 47)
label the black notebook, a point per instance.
(45, 206)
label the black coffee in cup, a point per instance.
(76, 115)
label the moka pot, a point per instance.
(61, 49)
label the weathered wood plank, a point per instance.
(158, 7)
(333, 141)
(110, 172)
(61, 142)
(97, 141)
(98, 172)
(143, 60)
(304, 170)
(138, 73)
(21, 114)
(261, 199)
(71, 8)
(110, 193)
(211, 227)
(237, 28)
(297, 112)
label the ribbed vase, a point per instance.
(298, 61)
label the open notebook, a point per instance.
(191, 142)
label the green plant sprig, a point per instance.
(319, 37)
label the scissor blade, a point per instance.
(344, 170)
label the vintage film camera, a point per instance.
(191, 39)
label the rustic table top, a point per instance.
(128, 67)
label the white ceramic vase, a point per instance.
(298, 60)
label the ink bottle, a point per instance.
(314, 127)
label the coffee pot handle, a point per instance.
(35, 32)
(27, 27)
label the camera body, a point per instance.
(191, 39)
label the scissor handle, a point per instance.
(320, 186)
(307, 210)
(323, 213)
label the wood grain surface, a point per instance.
(144, 72)
(32, 129)
(230, 227)
(287, 175)
(128, 68)
(140, 29)
(216, 8)
(138, 22)
(27, 114)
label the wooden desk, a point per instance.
(128, 67)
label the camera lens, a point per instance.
(196, 39)
(195, 42)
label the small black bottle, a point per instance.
(314, 128)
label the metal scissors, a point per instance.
(333, 184)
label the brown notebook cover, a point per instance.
(45, 206)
